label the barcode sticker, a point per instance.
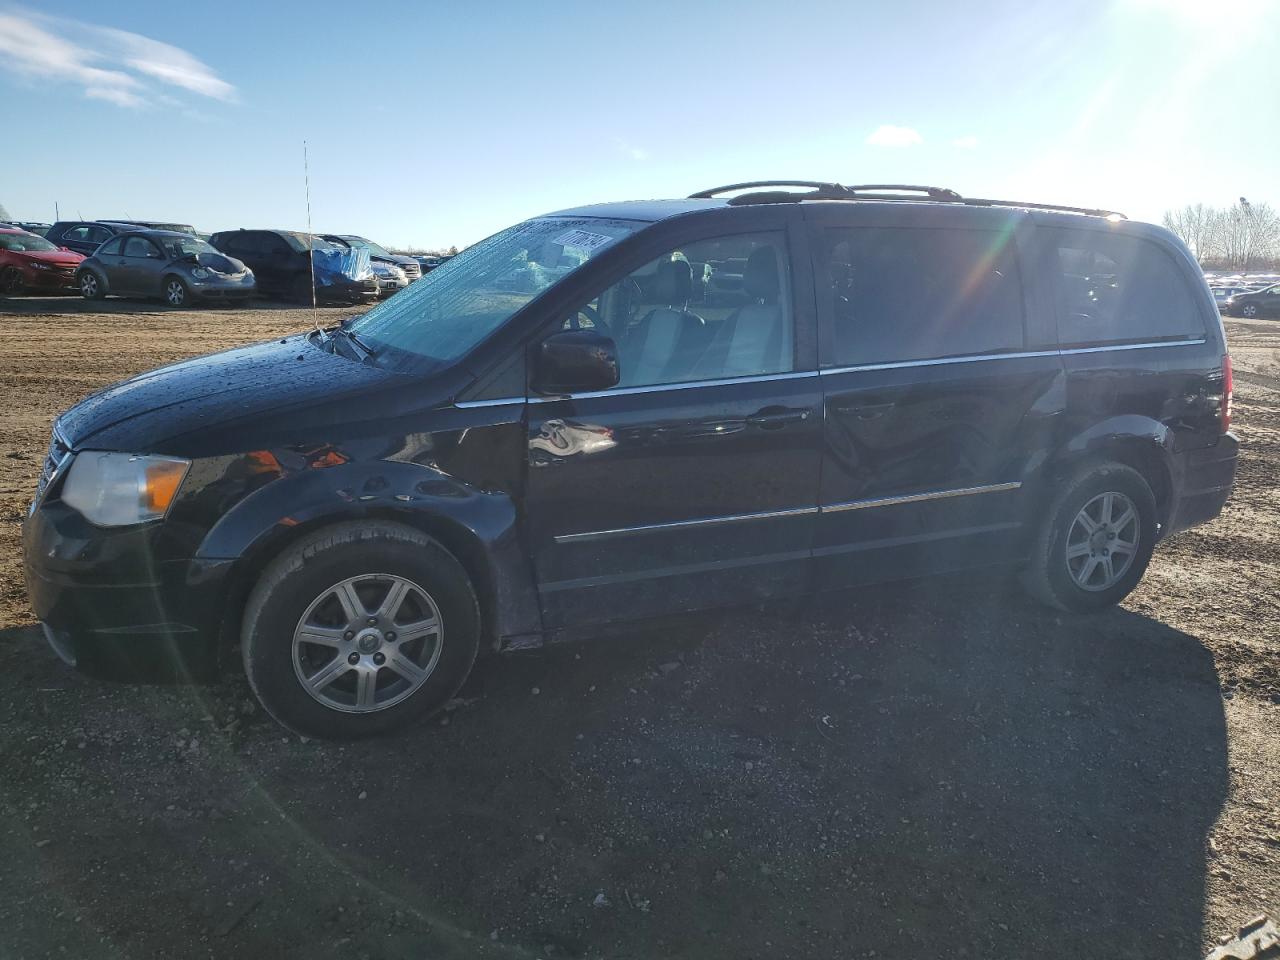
(583, 239)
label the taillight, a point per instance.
(1226, 392)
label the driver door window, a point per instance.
(708, 310)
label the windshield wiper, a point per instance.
(368, 351)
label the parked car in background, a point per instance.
(177, 267)
(1258, 303)
(155, 225)
(429, 262)
(30, 263)
(391, 279)
(412, 269)
(1221, 294)
(280, 261)
(83, 236)
(40, 229)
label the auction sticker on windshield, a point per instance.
(583, 239)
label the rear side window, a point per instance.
(1118, 289)
(111, 248)
(903, 294)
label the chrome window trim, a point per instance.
(501, 401)
(1016, 355)
(918, 497)
(679, 524)
(793, 512)
(688, 385)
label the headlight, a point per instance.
(40, 265)
(118, 489)
(200, 273)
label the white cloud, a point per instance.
(107, 64)
(966, 142)
(888, 135)
(630, 149)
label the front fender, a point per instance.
(479, 526)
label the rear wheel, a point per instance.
(359, 629)
(175, 292)
(1095, 541)
(90, 286)
(12, 281)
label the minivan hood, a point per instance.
(138, 415)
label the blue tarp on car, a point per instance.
(333, 265)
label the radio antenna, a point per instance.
(311, 257)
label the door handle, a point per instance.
(865, 411)
(773, 418)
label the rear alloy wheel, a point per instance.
(175, 292)
(1095, 540)
(90, 286)
(12, 281)
(1249, 310)
(358, 629)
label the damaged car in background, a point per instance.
(282, 261)
(29, 263)
(176, 267)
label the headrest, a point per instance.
(673, 282)
(760, 275)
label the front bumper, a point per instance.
(216, 288)
(111, 607)
(1202, 481)
(350, 290)
(50, 280)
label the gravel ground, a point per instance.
(924, 770)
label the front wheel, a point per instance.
(1095, 541)
(175, 292)
(90, 286)
(12, 281)
(359, 629)
(1249, 311)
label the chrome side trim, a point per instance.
(692, 384)
(501, 401)
(1020, 355)
(1136, 346)
(681, 524)
(938, 361)
(917, 497)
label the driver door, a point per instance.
(694, 482)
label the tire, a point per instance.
(175, 292)
(1249, 311)
(91, 286)
(12, 281)
(1070, 582)
(298, 594)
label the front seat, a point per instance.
(664, 343)
(753, 339)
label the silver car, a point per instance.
(179, 268)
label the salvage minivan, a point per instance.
(638, 409)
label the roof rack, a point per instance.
(820, 190)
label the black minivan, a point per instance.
(638, 409)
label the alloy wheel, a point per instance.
(367, 643)
(175, 293)
(89, 285)
(1250, 310)
(1103, 541)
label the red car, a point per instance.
(30, 263)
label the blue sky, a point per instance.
(438, 123)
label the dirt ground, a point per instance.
(936, 769)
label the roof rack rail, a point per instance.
(821, 190)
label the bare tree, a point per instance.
(1247, 234)
(1195, 225)
(4, 214)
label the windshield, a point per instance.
(300, 241)
(461, 302)
(25, 243)
(375, 249)
(178, 247)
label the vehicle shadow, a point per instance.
(926, 769)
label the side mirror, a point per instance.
(575, 361)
